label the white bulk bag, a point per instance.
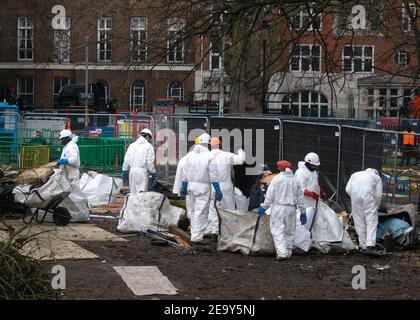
(141, 212)
(100, 189)
(237, 231)
(57, 185)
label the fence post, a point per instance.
(364, 149)
(339, 164)
(395, 168)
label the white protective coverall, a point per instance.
(139, 160)
(178, 183)
(308, 180)
(196, 173)
(365, 190)
(221, 163)
(284, 195)
(72, 154)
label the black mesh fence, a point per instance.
(360, 149)
(255, 134)
(300, 138)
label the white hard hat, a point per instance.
(312, 158)
(146, 131)
(204, 139)
(65, 133)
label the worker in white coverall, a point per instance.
(70, 158)
(365, 190)
(307, 176)
(221, 163)
(139, 161)
(178, 176)
(196, 183)
(284, 195)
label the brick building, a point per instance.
(37, 60)
(343, 67)
(334, 68)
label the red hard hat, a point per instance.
(283, 165)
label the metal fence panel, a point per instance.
(300, 138)
(252, 141)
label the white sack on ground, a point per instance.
(77, 204)
(100, 189)
(57, 185)
(141, 212)
(328, 231)
(241, 201)
(237, 231)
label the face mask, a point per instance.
(311, 168)
(65, 140)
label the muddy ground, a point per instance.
(223, 275)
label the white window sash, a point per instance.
(23, 31)
(104, 29)
(362, 58)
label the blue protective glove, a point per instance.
(124, 175)
(184, 188)
(219, 194)
(153, 181)
(303, 218)
(261, 211)
(63, 161)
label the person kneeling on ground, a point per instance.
(284, 195)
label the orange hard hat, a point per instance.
(215, 142)
(283, 165)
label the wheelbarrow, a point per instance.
(60, 216)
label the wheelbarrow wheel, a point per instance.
(61, 216)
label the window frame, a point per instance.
(405, 16)
(170, 88)
(133, 29)
(301, 57)
(362, 57)
(55, 94)
(19, 92)
(174, 27)
(61, 49)
(309, 104)
(303, 12)
(106, 42)
(133, 105)
(25, 30)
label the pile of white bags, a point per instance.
(148, 210)
(57, 185)
(100, 189)
(238, 229)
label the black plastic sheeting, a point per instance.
(352, 159)
(302, 138)
(271, 142)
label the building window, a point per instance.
(306, 18)
(25, 39)
(175, 41)
(215, 56)
(104, 39)
(176, 91)
(306, 58)
(25, 92)
(406, 19)
(305, 104)
(402, 58)
(139, 39)
(388, 101)
(358, 59)
(138, 94)
(62, 43)
(59, 83)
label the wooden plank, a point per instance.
(180, 233)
